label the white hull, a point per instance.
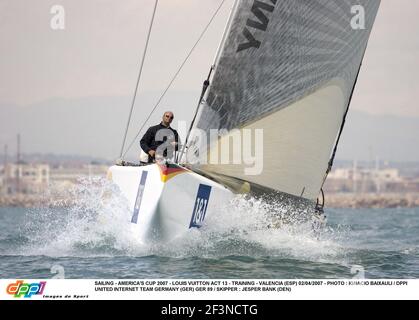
(166, 202)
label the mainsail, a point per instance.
(288, 67)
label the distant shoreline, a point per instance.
(34, 201)
(371, 200)
(333, 200)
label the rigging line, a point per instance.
(332, 159)
(204, 90)
(175, 76)
(207, 82)
(139, 78)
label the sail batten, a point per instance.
(287, 67)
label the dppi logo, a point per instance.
(27, 290)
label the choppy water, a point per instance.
(89, 241)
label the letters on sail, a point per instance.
(261, 23)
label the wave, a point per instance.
(97, 224)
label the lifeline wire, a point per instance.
(138, 79)
(175, 76)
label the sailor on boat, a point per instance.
(160, 140)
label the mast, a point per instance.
(18, 165)
(226, 32)
(5, 155)
(18, 149)
(212, 71)
(5, 168)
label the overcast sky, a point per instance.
(98, 53)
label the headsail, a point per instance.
(287, 67)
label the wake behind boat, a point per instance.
(280, 89)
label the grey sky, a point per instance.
(97, 56)
(99, 51)
(388, 82)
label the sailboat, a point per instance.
(284, 74)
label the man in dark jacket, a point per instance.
(161, 140)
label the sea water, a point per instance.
(88, 240)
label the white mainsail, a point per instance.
(288, 67)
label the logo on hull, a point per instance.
(201, 205)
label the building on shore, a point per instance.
(33, 179)
(365, 180)
(23, 178)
